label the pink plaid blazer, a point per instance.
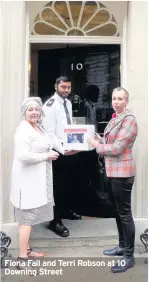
(117, 142)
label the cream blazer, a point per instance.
(28, 179)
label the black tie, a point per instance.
(67, 113)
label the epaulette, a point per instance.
(50, 103)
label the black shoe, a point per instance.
(73, 216)
(59, 229)
(123, 265)
(117, 251)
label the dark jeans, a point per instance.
(64, 185)
(119, 191)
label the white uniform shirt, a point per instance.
(55, 119)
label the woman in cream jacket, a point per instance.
(31, 182)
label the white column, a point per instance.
(13, 89)
(137, 85)
(123, 66)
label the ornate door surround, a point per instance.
(89, 22)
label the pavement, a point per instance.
(76, 254)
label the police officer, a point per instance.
(92, 94)
(58, 113)
(90, 178)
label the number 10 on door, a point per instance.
(78, 66)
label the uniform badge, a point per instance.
(50, 103)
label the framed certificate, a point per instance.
(75, 137)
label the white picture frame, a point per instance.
(76, 135)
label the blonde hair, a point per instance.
(122, 89)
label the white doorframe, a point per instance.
(27, 56)
(75, 39)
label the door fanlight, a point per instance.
(75, 18)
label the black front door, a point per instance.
(89, 67)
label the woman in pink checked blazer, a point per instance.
(116, 146)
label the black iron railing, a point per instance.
(5, 241)
(144, 240)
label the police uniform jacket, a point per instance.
(90, 115)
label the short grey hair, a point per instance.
(122, 89)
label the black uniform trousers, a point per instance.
(64, 185)
(119, 191)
